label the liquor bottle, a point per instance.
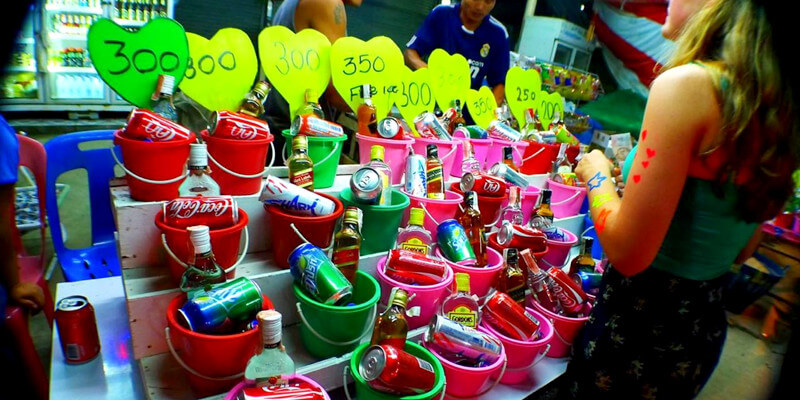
(138, 10)
(583, 262)
(508, 158)
(470, 164)
(542, 216)
(511, 280)
(162, 98)
(253, 103)
(391, 327)
(470, 219)
(117, 8)
(311, 107)
(512, 213)
(539, 283)
(203, 271)
(198, 182)
(301, 168)
(347, 244)
(367, 119)
(433, 172)
(163, 8)
(461, 306)
(459, 120)
(271, 364)
(376, 162)
(414, 237)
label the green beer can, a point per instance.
(225, 305)
(313, 270)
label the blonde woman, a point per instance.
(718, 146)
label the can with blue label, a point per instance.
(315, 272)
(454, 243)
(223, 307)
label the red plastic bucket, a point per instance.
(238, 165)
(316, 230)
(154, 170)
(395, 153)
(480, 279)
(224, 243)
(566, 200)
(214, 356)
(565, 329)
(489, 206)
(529, 198)
(447, 152)
(479, 146)
(426, 297)
(538, 157)
(436, 211)
(523, 355)
(491, 240)
(558, 250)
(302, 380)
(495, 154)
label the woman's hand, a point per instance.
(28, 295)
(590, 164)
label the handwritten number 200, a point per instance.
(168, 61)
(350, 67)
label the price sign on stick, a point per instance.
(481, 105)
(549, 105)
(377, 62)
(130, 62)
(295, 62)
(415, 94)
(450, 77)
(221, 70)
(522, 91)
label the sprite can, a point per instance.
(224, 306)
(315, 272)
(454, 243)
(471, 132)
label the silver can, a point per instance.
(416, 177)
(450, 337)
(390, 128)
(500, 130)
(501, 170)
(366, 185)
(428, 122)
(295, 199)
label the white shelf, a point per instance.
(74, 9)
(71, 70)
(16, 68)
(129, 22)
(65, 36)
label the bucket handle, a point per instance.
(127, 171)
(539, 357)
(190, 369)
(568, 199)
(303, 238)
(364, 331)
(238, 175)
(558, 335)
(450, 153)
(496, 220)
(424, 208)
(184, 265)
(591, 228)
(530, 156)
(489, 389)
(324, 159)
(346, 369)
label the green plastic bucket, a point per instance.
(364, 392)
(324, 152)
(330, 331)
(380, 222)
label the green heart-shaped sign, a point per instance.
(130, 62)
(549, 105)
(377, 62)
(522, 90)
(450, 77)
(295, 63)
(481, 104)
(221, 70)
(415, 95)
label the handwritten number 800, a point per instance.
(207, 65)
(143, 60)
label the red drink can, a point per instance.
(311, 125)
(570, 295)
(390, 128)
(510, 318)
(414, 268)
(231, 125)
(391, 370)
(483, 185)
(289, 392)
(146, 125)
(77, 329)
(213, 211)
(522, 237)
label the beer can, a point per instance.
(367, 185)
(472, 132)
(391, 370)
(501, 170)
(483, 185)
(146, 125)
(311, 125)
(510, 318)
(216, 212)
(411, 267)
(294, 198)
(225, 306)
(315, 272)
(522, 237)
(454, 243)
(77, 329)
(416, 176)
(427, 122)
(448, 338)
(570, 295)
(500, 130)
(231, 125)
(390, 128)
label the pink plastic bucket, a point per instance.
(447, 152)
(523, 355)
(565, 329)
(303, 380)
(566, 200)
(480, 279)
(480, 146)
(395, 153)
(495, 154)
(469, 382)
(529, 198)
(436, 211)
(426, 297)
(558, 250)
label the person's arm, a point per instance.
(27, 294)
(423, 41)
(499, 92)
(681, 109)
(413, 60)
(499, 62)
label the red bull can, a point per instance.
(454, 243)
(449, 338)
(225, 306)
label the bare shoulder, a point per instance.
(318, 5)
(688, 90)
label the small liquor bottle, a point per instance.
(508, 158)
(471, 164)
(470, 219)
(376, 162)
(542, 217)
(301, 168)
(460, 306)
(583, 262)
(513, 211)
(367, 119)
(198, 182)
(203, 271)
(253, 103)
(433, 169)
(347, 244)
(511, 280)
(414, 237)
(162, 98)
(458, 121)
(539, 283)
(271, 364)
(311, 107)
(391, 327)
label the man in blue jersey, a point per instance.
(465, 28)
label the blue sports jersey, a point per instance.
(9, 153)
(486, 49)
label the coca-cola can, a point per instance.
(509, 318)
(390, 128)
(522, 237)
(231, 125)
(311, 125)
(570, 295)
(483, 185)
(295, 199)
(500, 130)
(391, 370)
(410, 267)
(146, 125)
(77, 329)
(448, 338)
(433, 128)
(291, 391)
(216, 212)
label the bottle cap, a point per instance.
(376, 152)
(416, 216)
(300, 142)
(352, 215)
(400, 298)
(198, 155)
(511, 255)
(366, 91)
(270, 323)
(311, 96)
(262, 88)
(200, 238)
(545, 196)
(462, 282)
(433, 150)
(587, 243)
(166, 84)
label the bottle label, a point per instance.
(425, 365)
(303, 178)
(517, 293)
(414, 244)
(464, 316)
(434, 174)
(345, 256)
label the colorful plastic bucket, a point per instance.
(538, 157)
(565, 200)
(565, 329)
(236, 392)
(530, 196)
(426, 297)
(495, 154)
(479, 146)
(364, 392)
(325, 153)
(489, 206)
(379, 230)
(558, 250)
(395, 153)
(491, 241)
(154, 170)
(436, 211)
(523, 355)
(480, 279)
(447, 152)
(238, 165)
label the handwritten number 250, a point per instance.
(143, 60)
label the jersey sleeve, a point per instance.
(9, 153)
(500, 57)
(424, 40)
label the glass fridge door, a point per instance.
(21, 83)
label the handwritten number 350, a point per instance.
(143, 60)
(365, 63)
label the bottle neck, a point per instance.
(205, 259)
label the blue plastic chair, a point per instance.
(63, 155)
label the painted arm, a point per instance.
(413, 60)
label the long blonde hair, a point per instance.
(760, 121)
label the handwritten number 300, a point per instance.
(143, 60)
(297, 59)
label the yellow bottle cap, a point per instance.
(376, 152)
(462, 282)
(300, 142)
(400, 298)
(311, 96)
(416, 216)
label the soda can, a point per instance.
(225, 306)
(146, 125)
(213, 211)
(391, 370)
(311, 125)
(510, 318)
(471, 132)
(231, 125)
(589, 281)
(77, 329)
(315, 272)
(522, 237)
(450, 337)
(483, 185)
(390, 128)
(410, 267)
(501, 170)
(427, 122)
(454, 243)
(291, 391)
(570, 295)
(416, 176)
(366, 185)
(294, 198)
(500, 130)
